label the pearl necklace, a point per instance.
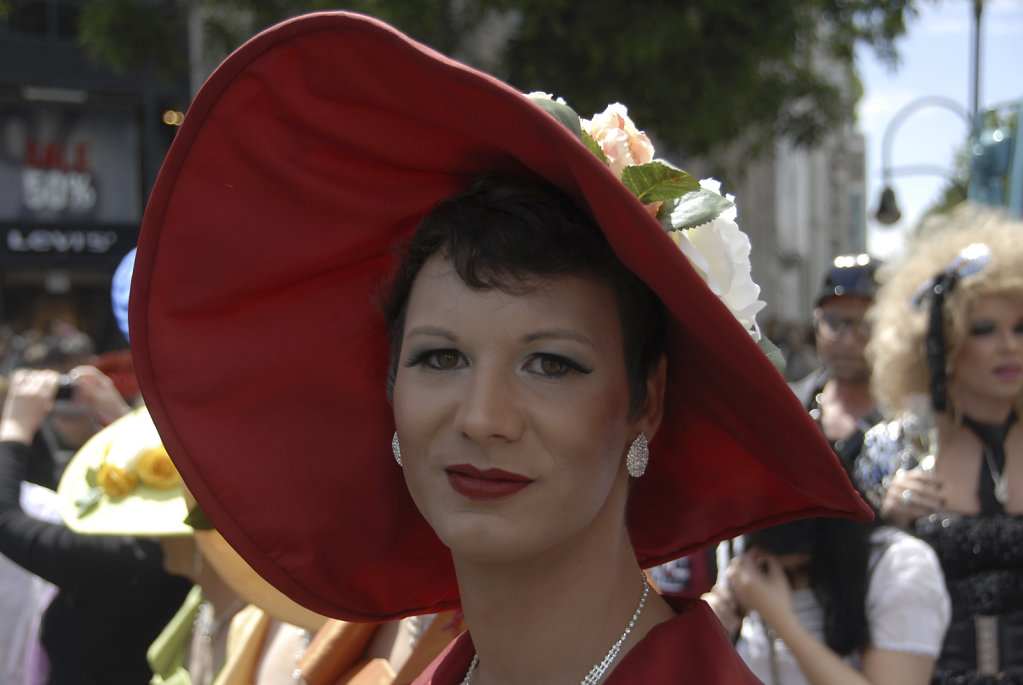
(203, 650)
(599, 668)
(206, 626)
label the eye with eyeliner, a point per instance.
(554, 365)
(442, 359)
(981, 328)
(987, 327)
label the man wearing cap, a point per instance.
(837, 394)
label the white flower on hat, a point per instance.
(700, 220)
(542, 95)
(720, 252)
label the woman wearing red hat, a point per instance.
(554, 396)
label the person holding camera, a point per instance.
(113, 594)
(85, 400)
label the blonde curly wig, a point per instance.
(896, 350)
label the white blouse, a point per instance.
(908, 610)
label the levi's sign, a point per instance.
(86, 245)
(46, 240)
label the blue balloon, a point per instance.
(120, 289)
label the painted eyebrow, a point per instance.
(432, 331)
(549, 334)
(557, 334)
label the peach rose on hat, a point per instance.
(698, 217)
(622, 143)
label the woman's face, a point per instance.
(989, 365)
(513, 414)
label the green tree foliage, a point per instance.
(126, 35)
(697, 74)
(705, 72)
(131, 34)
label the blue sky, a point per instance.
(935, 61)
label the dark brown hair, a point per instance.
(503, 232)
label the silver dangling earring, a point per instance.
(639, 455)
(396, 449)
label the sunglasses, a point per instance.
(833, 327)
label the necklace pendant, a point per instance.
(1002, 489)
(597, 672)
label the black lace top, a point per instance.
(981, 557)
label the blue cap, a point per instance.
(849, 275)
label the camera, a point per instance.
(67, 389)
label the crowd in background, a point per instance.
(60, 344)
(813, 601)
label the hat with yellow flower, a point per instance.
(306, 157)
(123, 482)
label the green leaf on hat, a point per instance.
(658, 182)
(197, 519)
(773, 353)
(89, 500)
(560, 111)
(594, 147)
(697, 208)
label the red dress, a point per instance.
(690, 648)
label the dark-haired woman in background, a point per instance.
(832, 601)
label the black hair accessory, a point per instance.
(970, 260)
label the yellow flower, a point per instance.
(115, 481)
(156, 469)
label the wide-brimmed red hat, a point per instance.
(307, 156)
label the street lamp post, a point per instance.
(978, 9)
(887, 209)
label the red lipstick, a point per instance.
(492, 484)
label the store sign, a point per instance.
(68, 163)
(58, 190)
(49, 240)
(39, 246)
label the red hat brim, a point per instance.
(308, 155)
